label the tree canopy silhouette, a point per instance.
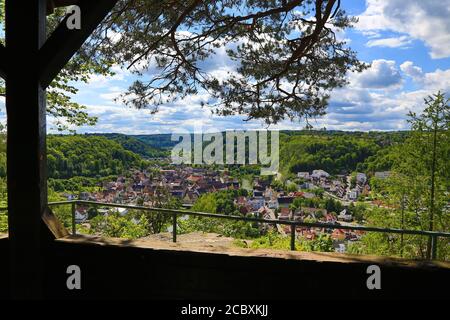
(286, 55)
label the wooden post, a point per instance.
(74, 222)
(32, 62)
(174, 227)
(26, 148)
(293, 237)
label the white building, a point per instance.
(345, 216)
(256, 203)
(317, 174)
(303, 175)
(81, 216)
(361, 178)
(273, 204)
(353, 194)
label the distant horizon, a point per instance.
(191, 132)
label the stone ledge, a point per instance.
(262, 253)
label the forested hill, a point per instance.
(134, 144)
(334, 151)
(337, 151)
(113, 154)
(87, 156)
(160, 141)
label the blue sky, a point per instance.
(407, 43)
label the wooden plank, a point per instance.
(26, 149)
(54, 225)
(2, 61)
(64, 43)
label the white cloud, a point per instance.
(437, 80)
(395, 42)
(365, 107)
(424, 20)
(368, 103)
(411, 70)
(383, 74)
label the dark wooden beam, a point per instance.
(26, 148)
(64, 43)
(2, 61)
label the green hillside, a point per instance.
(336, 151)
(133, 144)
(87, 156)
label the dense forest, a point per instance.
(337, 152)
(87, 156)
(102, 155)
(134, 144)
(159, 141)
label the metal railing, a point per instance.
(434, 235)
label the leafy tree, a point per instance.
(88, 156)
(291, 187)
(273, 240)
(424, 164)
(431, 134)
(221, 203)
(156, 221)
(135, 145)
(334, 152)
(417, 190)
(333, 205)
(323, 243)
(66, 113)
(273, 43)
(115, 225)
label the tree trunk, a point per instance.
(433, 173)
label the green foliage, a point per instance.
(115, 225)
(157, 141)
(88, 156)
(3, 204)
(78, 184)
(418, 189)
(66, 113)
(328, 203)
(157, 221)
(135, 145)
(382, 160)
(332, 153)
(333, 205)
(269, 51)
(228, 228)
(273, 240)
(291, 187)
(389, 244)
(3, 222)
(221, 203)
(2, 151)
(323, 243)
